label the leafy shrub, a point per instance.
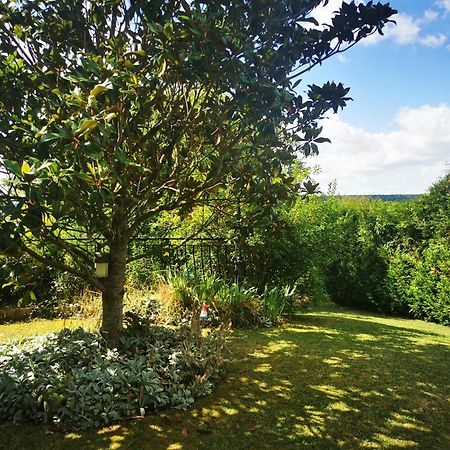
(72, 378)
(142, 273)
(24, 282)
(430, 284)
(421, 283)
(398, 280)
(181, 296)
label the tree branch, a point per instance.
(57, 264)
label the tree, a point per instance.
(114, 111)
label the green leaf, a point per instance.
(110, 117)
(93, 150)
(121, 156)
(51, 137)
(163, 69)
(13, 167)
(99, 88)
(18, 30)
(322, 140)
(88, 124)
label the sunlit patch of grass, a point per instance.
(175, 446)
(392, 442)
(330, 391)
(328, 379)
(341, 406)
(40, 327)
(72, 436)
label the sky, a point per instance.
(394, 137)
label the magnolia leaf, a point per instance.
(99, 88)
(25, 169)
(51, 137)
(12, 166)
(92, 149)
(163, 69)
(88, 124)
(110, 117)
(122, 157)
(322, 140)
(91, 168)
(18, 30)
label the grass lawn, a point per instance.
(331, 378)
(20, 330)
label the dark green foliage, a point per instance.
(387, 256)
(72, 378)
(393, 257)
(24, 282)
(433, 211)
(113, 112)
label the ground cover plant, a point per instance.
(331, 378)
(72, 379)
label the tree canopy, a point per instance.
(114, 111)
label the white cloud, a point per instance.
(445, 4)
(409, 31)
(429, 16)
(433, 40)
(408, 160)
(406, 31)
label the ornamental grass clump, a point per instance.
(73, 380)
(182, 295)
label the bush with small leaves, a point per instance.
(71, 378)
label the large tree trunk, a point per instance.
(112, 297)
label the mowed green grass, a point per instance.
(21, 330)
(331, 378)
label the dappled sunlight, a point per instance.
(175, 446)
(40, 327)
(405, 421)
(341, 406)
(354, 354)
(72, 436)
(330, 391)
(321, 381)
(336, 362)
(367, 337)
(273, 347)
(392, 442)
(263, 368)
(110, 429)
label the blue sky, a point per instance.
(394, 138)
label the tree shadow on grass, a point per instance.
(322, 381)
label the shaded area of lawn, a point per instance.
(328, 379)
